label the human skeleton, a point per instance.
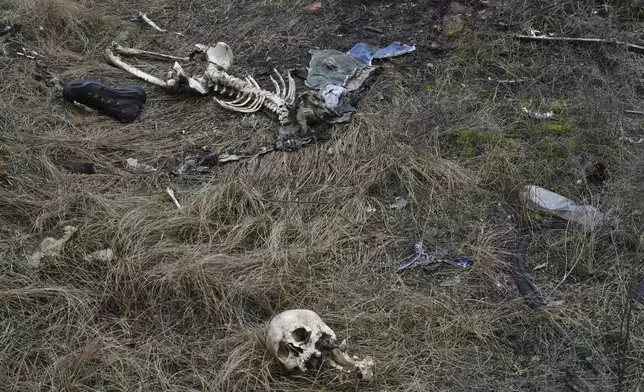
(298, 115)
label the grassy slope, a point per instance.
(183, 306)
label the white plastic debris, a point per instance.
(104, 255)
(542, 200)
(634, 140)
(50, 247)
(399, 203)
(137, 167)
(537, 115)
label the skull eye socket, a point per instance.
(301, 335)
(282, 351)
(285, 349)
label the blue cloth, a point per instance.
(364, 53)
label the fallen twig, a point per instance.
(222, 158)
(636, 48)
(147, 20)
(525, 286)
(634, 112)
(373, 30)
(503, 80)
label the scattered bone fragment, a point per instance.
(28, 53)
(147, 20)
(50, 247)
(84, 107)
(103, 255)
(170, 192)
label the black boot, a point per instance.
(124, 102)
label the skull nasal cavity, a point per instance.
(301, 335)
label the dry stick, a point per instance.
(373, 30)
(636, 48)
(150, 22)
(508, 81)
(120, 49)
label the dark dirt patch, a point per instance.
(277, 35)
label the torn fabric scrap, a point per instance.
(431, 260)
(365, 53)
(336, 75)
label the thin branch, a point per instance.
(636, 48)
(295, 201)
(373, 30)
(505, 81)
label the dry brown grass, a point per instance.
(183, 306)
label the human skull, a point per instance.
(299, 339)
(293, 336)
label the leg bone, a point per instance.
(116, 61)
(125, 51)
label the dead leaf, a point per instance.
(314, 7)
